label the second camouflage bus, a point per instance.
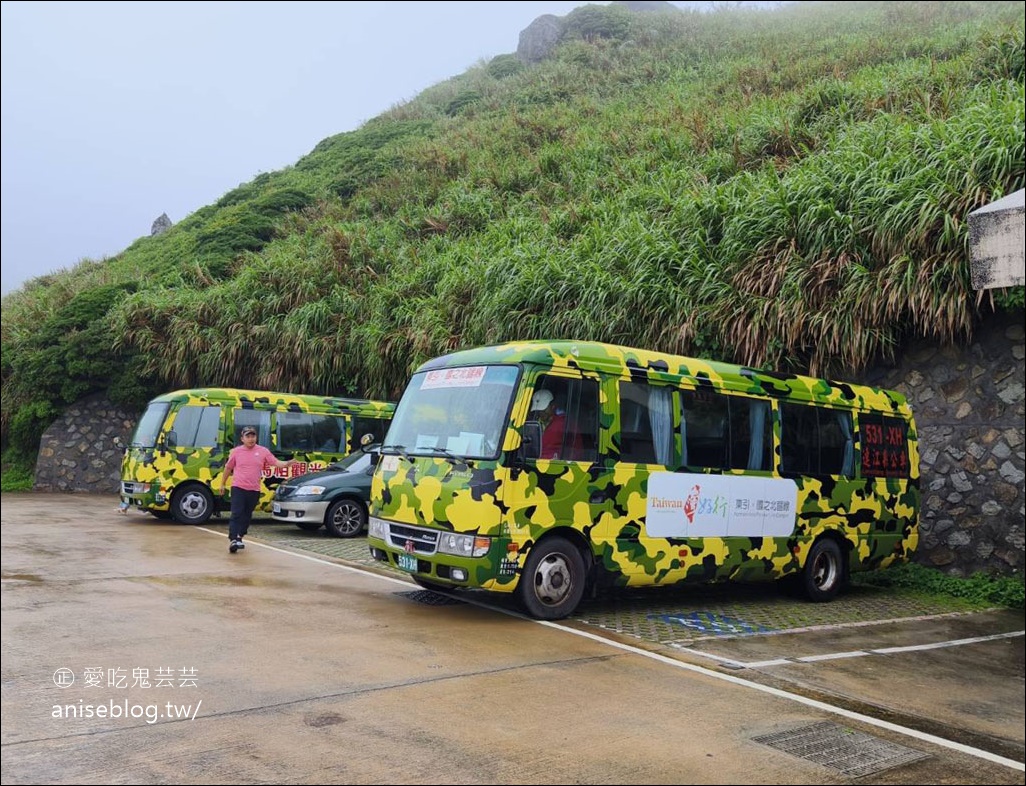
(175, 459)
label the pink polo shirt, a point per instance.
(247, 465)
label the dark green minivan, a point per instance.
(335, 498)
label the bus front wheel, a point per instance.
(553, 580)
(192, 504)
(823, 576)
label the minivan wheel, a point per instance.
(346, 518)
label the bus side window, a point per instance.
(295, 431)
(570, 429)
(197, 426)
(815, 440)
(258, 418)
(705, 428)
(362, 425)
(582, 419)
(328, 435)
(646, 423)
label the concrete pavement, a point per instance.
(301, 668)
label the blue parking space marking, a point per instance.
(711, 623)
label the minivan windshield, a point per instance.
(356, 462)
(454, 411)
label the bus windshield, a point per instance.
(454, 411)
(148, 430)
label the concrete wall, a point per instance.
(969, 409)
(997, 233)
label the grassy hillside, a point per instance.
(786, 188)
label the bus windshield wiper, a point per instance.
(396, 449)
(451, 457)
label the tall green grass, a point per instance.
(785, 188)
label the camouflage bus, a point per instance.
(664, 469)
(181, 443)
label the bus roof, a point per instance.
(627, 361)
(298, 401)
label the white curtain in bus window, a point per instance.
(646, 423)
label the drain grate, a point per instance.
(429, 598)
(853, 753)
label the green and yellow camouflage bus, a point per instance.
(173, 465)
(663, 469)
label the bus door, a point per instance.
(555, 481)
(643, 440)
(193, 434)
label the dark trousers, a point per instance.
(244, 502)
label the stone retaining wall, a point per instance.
(969, 409)
(78, 453)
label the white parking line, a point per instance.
(761, 664)
(882, 724)
(855, 716)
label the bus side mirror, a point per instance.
(530, 439)
(171, 440)
(118, 443)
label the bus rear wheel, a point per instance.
(192, 504)
(553, 580)
(823, 575)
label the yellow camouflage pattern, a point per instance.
(165, 480)
(600, 506)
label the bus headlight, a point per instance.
(377, 528)
(463, 545)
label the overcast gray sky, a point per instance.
(114, 113)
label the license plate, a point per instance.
(275, 507)
(408, 562)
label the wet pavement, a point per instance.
(879, 651)
(314, 664)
